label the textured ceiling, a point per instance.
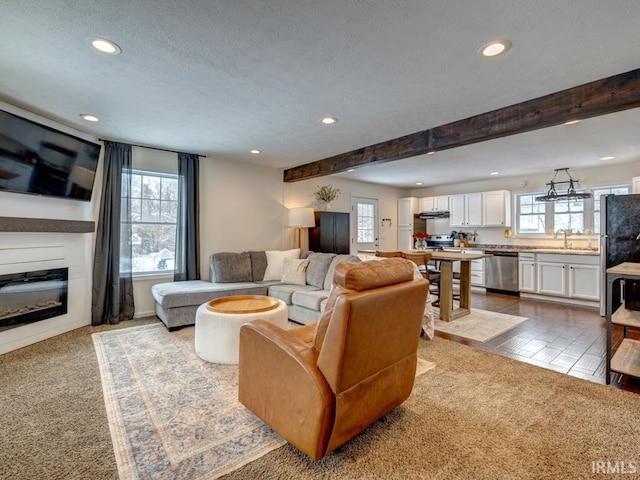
(222, 77)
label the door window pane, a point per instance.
(365, 222)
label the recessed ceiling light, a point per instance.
(105, 46)
(329, 120)
(255, 151)
(351, 170)
(89, 118)
(494, 48)
(495, 173)
(608, 158)
(572, 122)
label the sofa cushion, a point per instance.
(328, 281)
(197, 292)
(294, 271)
(258, 265)
(231, 267)
(275, 262)
(319, 264)
(284, 291)
(311, 300)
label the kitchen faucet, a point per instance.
(566, 233)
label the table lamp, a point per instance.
(301, 218)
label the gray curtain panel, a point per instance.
(187, 256)
(112, 292)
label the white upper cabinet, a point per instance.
(635, 185)
(483, 209)
(434, 204)
(407, 207)
(497, 208)
(466, 210)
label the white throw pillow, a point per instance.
(275, 262)
(295, 271)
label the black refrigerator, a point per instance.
(620, 242)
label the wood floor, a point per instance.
(569, 339)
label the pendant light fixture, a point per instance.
(553, 196)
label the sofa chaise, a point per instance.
(301, 279)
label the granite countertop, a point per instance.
(529, 249)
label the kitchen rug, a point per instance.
(479, 325)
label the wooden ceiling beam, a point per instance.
(608, 95)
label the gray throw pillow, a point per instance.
(318, 268)
(258, 265)
(232, 267)
(332, 268)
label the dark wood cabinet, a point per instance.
(331, 233)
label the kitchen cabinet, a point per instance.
(434, 204)
(331, 233)
(527, 272)
(465, 210)
(407, 207)
(571, 276)
(496, 208)
(477, 266)
(405, 239)
(635, 185)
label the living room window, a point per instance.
(154, 213)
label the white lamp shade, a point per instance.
(301, 217)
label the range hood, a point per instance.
(435, 214)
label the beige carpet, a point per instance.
(474, 416)
(172, 414)
(479, 325)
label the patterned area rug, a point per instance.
(171, 414)
(479, 325)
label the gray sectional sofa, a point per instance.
(301, 280)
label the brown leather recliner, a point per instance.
(319, 385)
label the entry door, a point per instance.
(364, 224)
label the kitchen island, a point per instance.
(446, 259)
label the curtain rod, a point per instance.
(150, 148)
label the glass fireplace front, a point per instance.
(29, 297)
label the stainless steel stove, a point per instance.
(439, 241)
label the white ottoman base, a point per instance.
(218, 334)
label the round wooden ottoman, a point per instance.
(218, 324)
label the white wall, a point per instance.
(241, 209)
(300, 194)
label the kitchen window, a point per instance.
(597, 193)
(547, 217)
(531, 215)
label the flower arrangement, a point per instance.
(327, 193)
(423, 235)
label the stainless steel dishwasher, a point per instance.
(501, 272)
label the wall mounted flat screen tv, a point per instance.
(39, 160)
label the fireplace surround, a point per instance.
(29, 297)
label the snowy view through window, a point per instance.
(154, 212)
